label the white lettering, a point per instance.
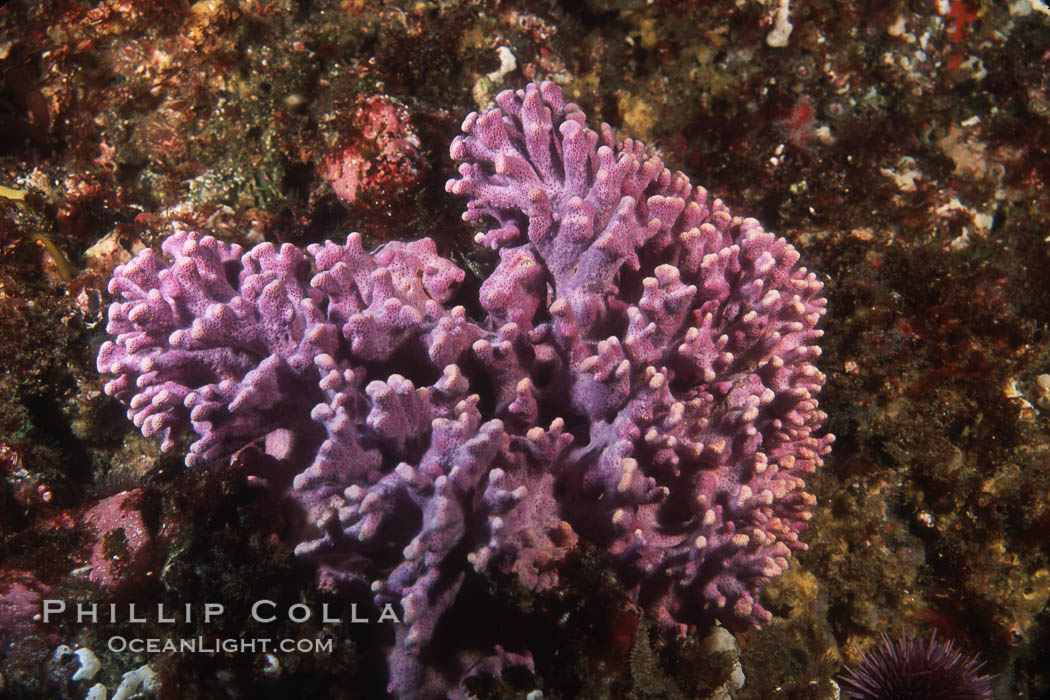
(212, 610)
(87, 612)
(388, 614)
(324, 616)
(255, 610)
(56, 607)
(305, 614)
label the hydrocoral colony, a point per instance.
(642, 378)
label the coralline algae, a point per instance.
(642, 377)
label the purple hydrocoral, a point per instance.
(644, 378)
(687, 337)
(219, 340)
(271, 343)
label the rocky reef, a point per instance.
(900, 149)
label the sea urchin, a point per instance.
(908, 669)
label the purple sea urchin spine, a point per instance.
(914, 669)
